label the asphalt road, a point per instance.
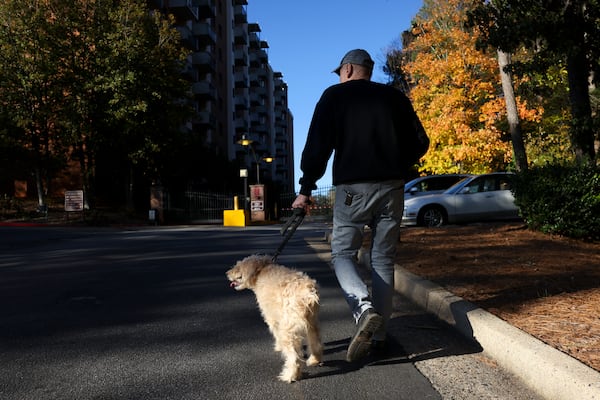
(147, 313)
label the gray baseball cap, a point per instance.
(356, 56)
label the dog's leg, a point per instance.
(273, 328)
(291, 350)
(313, 339)
(277, 342)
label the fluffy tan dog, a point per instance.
(289, 303)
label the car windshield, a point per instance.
(431, 183)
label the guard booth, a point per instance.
(257, 203)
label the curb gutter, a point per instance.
(546, 370)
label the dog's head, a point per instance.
(244, 273)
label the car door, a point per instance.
(476, 201)
(504, 199)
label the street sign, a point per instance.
(74, 200)
(257, 205)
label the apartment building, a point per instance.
(241, 103)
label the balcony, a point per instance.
(255, 99)
(262, 55)
(240, 57)
(186, 36)
(189, 72)
(181, 9)
(241, 79)
(206, 8)
(204, 61)
(204, 32)
(204, 90)
(240, 35)
(254, 119)
(241, 125)
(205, 118)
(257, 74)
(254, 59)
(241, 103)
(260, 109)
(259, 90)
(254, 40)
(260, 128)
(279, 99)
(240, 15)
(280, 147)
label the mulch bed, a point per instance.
(545, 285)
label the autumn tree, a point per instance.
(31, 81)
(453, 92)
(555, 32)
(457, 92)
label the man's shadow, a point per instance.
(411, 338)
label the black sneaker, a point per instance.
(360, 345)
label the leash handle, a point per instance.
(289, 228)
(296, 213)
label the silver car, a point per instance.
(476, 198)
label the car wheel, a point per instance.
(432, 216)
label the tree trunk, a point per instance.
(86, 167)
(39, 186)
(514, 125)
(582, 134)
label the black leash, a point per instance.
(289, 228)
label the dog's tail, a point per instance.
(311, 301)
(312, 298)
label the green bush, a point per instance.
(562, 199)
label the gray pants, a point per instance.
(378, 205)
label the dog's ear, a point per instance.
(252, 267)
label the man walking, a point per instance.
(377, 137)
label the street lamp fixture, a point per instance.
(247, 142)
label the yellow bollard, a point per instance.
(235, 217)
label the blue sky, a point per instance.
(307, 39)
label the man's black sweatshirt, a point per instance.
(373, 129)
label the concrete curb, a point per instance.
(549, 372)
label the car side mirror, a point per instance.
(465, 190)
(413, 190)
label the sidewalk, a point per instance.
(546, 370)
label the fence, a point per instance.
(322, 200)
(207, 208)
(196, 207)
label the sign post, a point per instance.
(74, 202)
(257, 202)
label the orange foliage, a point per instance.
(457, 93)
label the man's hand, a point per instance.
(301, 201)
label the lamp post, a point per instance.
(244, 174)
(257, 196)
(246, 142)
